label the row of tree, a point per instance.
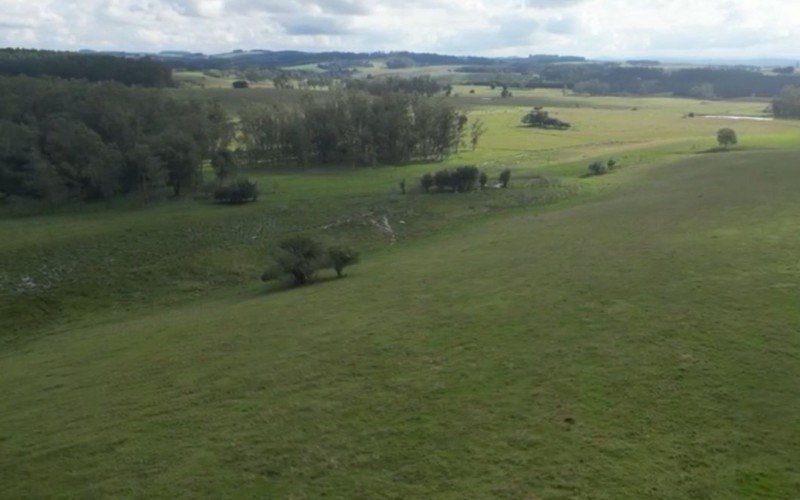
(70, 139)
(144, 72)
(612, 78)
(354, 128)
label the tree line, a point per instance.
(787, 103)
(611, 78)
(62, 140)
(144, 72)
(354, 128)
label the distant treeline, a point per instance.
(610, 78)
(352, 127)
(424, 85)
(63, 139)
(144, 72)
(277, 59)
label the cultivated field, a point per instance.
(633, 335)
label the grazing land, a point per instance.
(629, 335)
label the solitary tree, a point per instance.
(341, 257)
(505, 177)
(727, 137)
(477, 129)
(300, 258)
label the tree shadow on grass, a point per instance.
(284, 286)
(715, 150)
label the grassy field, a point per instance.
(627, 336)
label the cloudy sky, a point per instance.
(598, 28)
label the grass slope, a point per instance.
(643, 344)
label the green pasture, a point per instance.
(633, 335)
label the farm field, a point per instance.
(632, 335)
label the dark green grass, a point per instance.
(641, 343)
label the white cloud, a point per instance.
(621, 28)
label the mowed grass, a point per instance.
(643, 344)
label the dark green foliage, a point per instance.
(604, 78)
(505, 177)
(402, 185)
(341, 257)
(427, 181)
(611, 164)
(224, 163)
(354, 128)
(63, 139)
(241, 84)
(539, 118)
(422, 85)
(727, 137)
(241, 191)
(460, 180)
(787, 103)
(298, 258)
(143, 72)
(598, 168)
(483, 179)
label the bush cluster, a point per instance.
(460, 180)
(241, 191)
(300, 258)
(540, 118)
(599, 168)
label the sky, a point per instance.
(688, 29)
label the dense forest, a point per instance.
(352, 127)
(144, 72)
(62, 140)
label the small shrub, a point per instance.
(242, 191)
(483, 179)
(505, 177)
(442, 180)
(402, 185)
(341, 257)
(299, 258)
(598, 168)
(427, 182)
(612, 164)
